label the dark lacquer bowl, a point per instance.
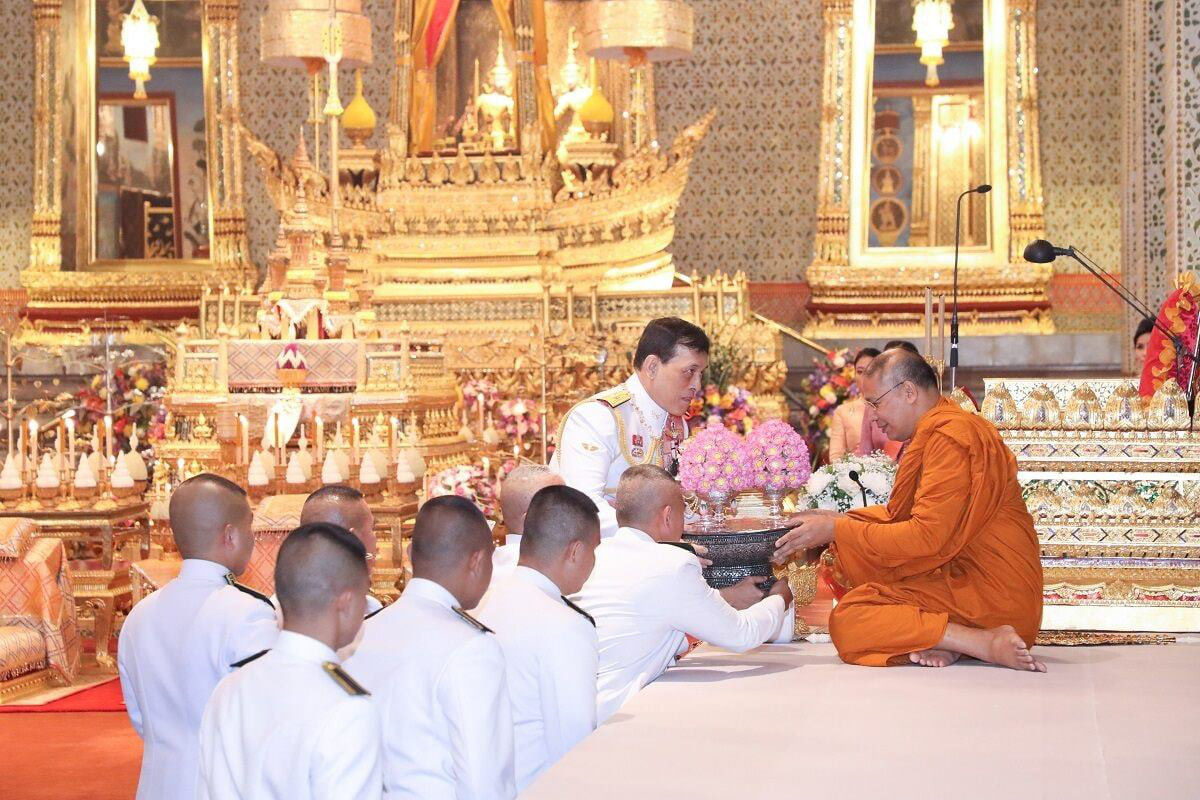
(740, 548)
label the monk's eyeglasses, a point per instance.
(875, 403)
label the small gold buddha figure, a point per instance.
(575, 93)
(495, 104)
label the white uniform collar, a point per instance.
(512, 540)
(431, 591)
(303, 648)
(538, 580)
(635, 533)
(199, 569)
(656, 415)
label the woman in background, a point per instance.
(846, 429)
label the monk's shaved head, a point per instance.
(901, 364)
(317, 563)
(518, 489)
(642, 493)
(900, 387)
(452, 546)
(344, 506)
(202, 509)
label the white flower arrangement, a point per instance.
(831, 487)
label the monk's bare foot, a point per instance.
(1007, 649)
(933, 658)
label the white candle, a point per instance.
(179, 471)
(244, 439)
(33, 443)
(942, 328)
(58, 449)
(71, 442)
(275, 440)
(320, 427)
(393, 424)
(928, 321)
(354, 440)
(108, 436)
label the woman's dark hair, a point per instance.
(1144, 327)
(869, 352)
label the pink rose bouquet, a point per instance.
(715, 461)
(779, 456)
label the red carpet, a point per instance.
(68, 757)
(104, 697)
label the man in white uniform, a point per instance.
(435, 673)
(292, 725)
(516, 490)
(345, 506)
(182, 639)
(640, 421)
(549, 643)
(647, 596)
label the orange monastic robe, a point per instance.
(955, 543)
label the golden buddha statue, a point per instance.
(575, 93)
(496, 104)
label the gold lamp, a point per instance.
(139, 38)
(932, 20)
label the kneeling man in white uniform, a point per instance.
(549, 643)
(516, 491)
(648, 594)
(291, 724)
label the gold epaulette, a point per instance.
(229, 579)
(614, 397)
(474, 623)
(348, 684)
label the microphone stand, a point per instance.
(954, 300)
(1122, 291)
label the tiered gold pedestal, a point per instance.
(1113, 483)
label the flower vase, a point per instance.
(716, 501)
(774, 502)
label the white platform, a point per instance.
(792, 721)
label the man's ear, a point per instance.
(345, 601)
(651, 365)
(229, 537)
(475, 562)
(574, 551)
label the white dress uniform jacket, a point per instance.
(175, 647)
(505, 557)
(645, 596)
(290, 725)
(550, 649)
(606, 434)
(436, 677)
(373, 607)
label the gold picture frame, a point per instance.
(64, 117)
(862, 291)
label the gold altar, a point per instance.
(1113, 483)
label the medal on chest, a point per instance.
(638, 449)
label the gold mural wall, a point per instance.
(750, 203)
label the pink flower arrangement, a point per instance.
(520, 418)
(469, 482)
(779, 456)
(716, 461)
(479, 393)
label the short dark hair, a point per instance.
(215, 480)
(903, 345)
(334, 491)
(639, 490)
(866, 352)
(901, 365)
(448, 528)
(663, 336)
(1144, 327)
(316, 563)
(557, 516)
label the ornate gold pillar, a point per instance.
(48, 104)
(402, 75)
(527, 111)
(1024, 165)
(833, 176)
(1182, 100)
(918, 235)
(230, 247)
(1143, 223)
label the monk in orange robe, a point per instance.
(950, 566)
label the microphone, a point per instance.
(982, 188)
(853, 475)
(1042, 252)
